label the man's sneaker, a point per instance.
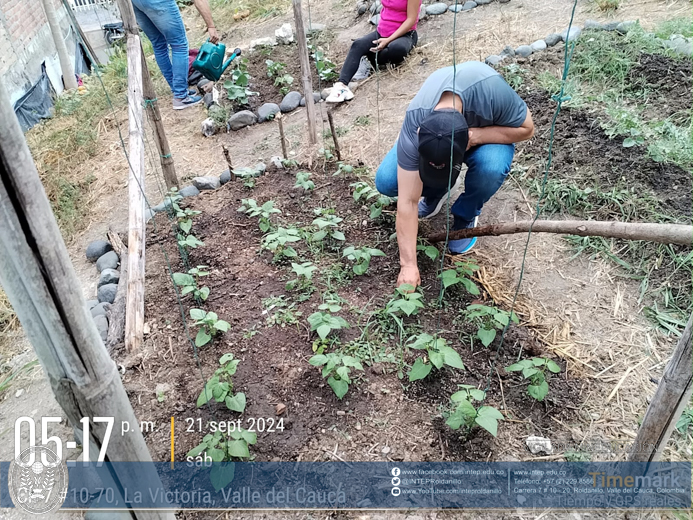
(364, 69)
(340, 92)
(190, 101)
(463, 245)
(429, 207)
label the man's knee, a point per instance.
(386, 180)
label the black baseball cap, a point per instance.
(442, 132)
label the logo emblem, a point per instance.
(37, 481)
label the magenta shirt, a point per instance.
(391, 17)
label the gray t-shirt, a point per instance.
(487, 100)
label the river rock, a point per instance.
(361, 8)
(374, 20)
(107, 261)
(626, 26)
(206, 183)
(523, 51)
(508, 51)
(437, 8)
(552, 39)
(209, 127)
(290, 101)
(108, 276)
(324, 93)
(315, 28)
(277, 162)
(267, 41)
(316, 99)
(592, 25)
(538, 45)
(97, 248)
(455, 8)
(574, 34)
(468, 5)
(91, 304)
(189, 191)
(101, 309)
(285, 34)
(102, 326)
(610, 26)
(107, 293)
(539, 445)
(494, 59)
(260, 168)
(483, 2)
(241, 120)
(503, 1)
(266, 112)
(225, 177)
(680, 45)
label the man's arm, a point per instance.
(502, 134)
(202, 7)
(409, 187)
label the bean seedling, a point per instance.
(190, 282)
(324, 322)
(431, 252)
(283, 314)
(488, 319)
(460, 274)
(327, 224)
(277, 241)
(536, 370)
(326, 68)
(210, 326)
(337, 369)
(465, 414)
(362, 257)
(439, 353)
(364, 192)
(304, 278)
(221, 448)
(220, 387)
(237, 87)
(264, 212)
(303, 181)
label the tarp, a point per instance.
(36, 104)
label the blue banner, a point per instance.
(373, 485)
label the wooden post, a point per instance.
(227, 158)
(134, 315)
(306, 75)
(282, 139)
(66, 65)
(43, 288)
(160, 138)
(673, 395)
(82, 36)
(116, 316)
(334, 135)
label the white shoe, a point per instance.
(364, 71)
(340, 93)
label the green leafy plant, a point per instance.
(219, 448)
(337, 369)
(220, 386)
(304, 277)
(237, 87)
(275, 68)
(327, 70)
(248, 175)
(327, 224)
(289, 163)
(536, 370)
(438, 352)
(190, 282)
(488, 320)
(323, 322)
(277, 241)
(189, 242)
(303, 181)
(460, 274)
(430, 251)
(361, 256)
(405, 300)
(280, 312)
(183, 216)
(343, 168)
(326, 153)
(363, 192)
(465, 414)
(685, 421)
(264, 212)
(210, 326)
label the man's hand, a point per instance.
(380, 44)
(409, 275)
(213, 34)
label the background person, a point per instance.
(462, 114)
(393, 41)
(161, 22)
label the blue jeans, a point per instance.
(487, 167)
(161, 22)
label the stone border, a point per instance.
(426, 10)
(677, 43)
(101, 253)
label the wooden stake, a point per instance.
(334, 135)
(116, 316)
(43, 288)
(66, 65)
(306, 75)
(673, 395)
(664, 233)
(167, 166)
(282, 139)
(227, 157)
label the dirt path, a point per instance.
(584, 308)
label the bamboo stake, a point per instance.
(116, 316)
(664, 233)
(227, 157)
(306, 75)
(282, 139)
(149, 93)
(673, 395)
(334, 135)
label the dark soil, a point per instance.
(667, 84)
(274, 368)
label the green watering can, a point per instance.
(210, 60)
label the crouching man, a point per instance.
(463, 114)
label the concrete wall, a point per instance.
(26, 42)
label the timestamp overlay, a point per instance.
(211, 477)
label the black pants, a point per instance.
(393, 54)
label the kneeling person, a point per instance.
(462, 114)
